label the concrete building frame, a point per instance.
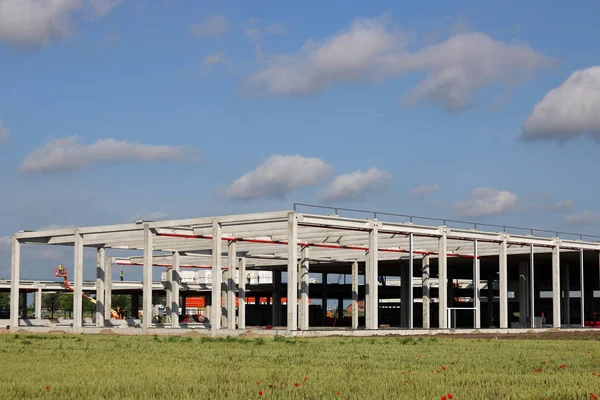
(300, 244)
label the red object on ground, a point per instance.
(296, 384)
(443, 397)
(260, 392)
(450, 396)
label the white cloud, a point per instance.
(68, 153)
(423, 190)
(483, 202)
(215, 58)
(375, 50)
(35, 23)
(561, 206)
(569, 110)
(4, 132)
(5, 242)
(103, 7)
(217, 25)
(278, 175)
(273, 29)
(355, 185)
(151, 216)
(583, 218)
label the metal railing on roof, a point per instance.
(446, 222)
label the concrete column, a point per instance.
(340, 310)
(108, 289)
(155, 301)
(372, 288)
(411, 270)
(490, 302)
(168, 293)
(556, 319)
(242, 295)
(355, 295)
(135, 306)
(175, 283)
(100, 279)
(476, 280)
(38, 303)
(324, 297)
(224, 298)
(147, 282)
(566, 297)
(15, 270)
(581, 287)
(443, 279)
(24, 305)
(276, 306)
(78, 283)
(232, 261)
(532, 286)
(184, 305)
(292, 273)
(523, 292)
(215, 318)
(425, 287)
(503, 284)
(304, 288)
(404, 302)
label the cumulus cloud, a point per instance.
(423, 190)
(355, 185)
(561, 206)
(483, 202)
(69, 153)
(569, 110)
(583, 218)
(103, 7)
(211, 60)
(35, 23)
(278, 175)
(4, 132)
(217, 25)
(376, 50)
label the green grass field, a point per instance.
(147, 367)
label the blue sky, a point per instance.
(116, 110)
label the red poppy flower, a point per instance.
(444, 368)
(405, 382)
(452, 363)
(410, 370)
(281, 384)
(337, 393)
(258, 383)
(593, 373)
(593, 396)
(450, 396)
(443, 397)
(260, 392)
(296, 384)
(402, 372)
(305, 378)
(564, 366)
(47, 387)
(544, 362)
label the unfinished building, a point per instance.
(409, 273)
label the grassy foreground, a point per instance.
(146, 367)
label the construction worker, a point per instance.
(121, 275)
(61, 269)
(248, 277)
